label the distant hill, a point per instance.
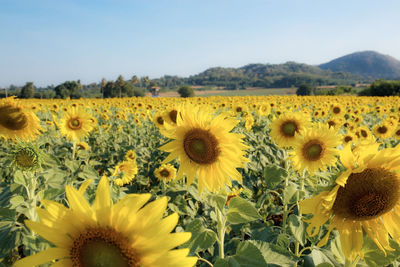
(271, 75)
(369, 64)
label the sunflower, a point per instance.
(171, 115)
(27, 157)
(396, 133)
(337, 110)
(124, 234)
(76, 124)
(165, 172)
(365, 199)
(205, 148)
(284, 128)
(349, 138)
(17, 122)
(158, 119)
(383, 130)
(315, 148)
(83, 145)
(130, 156)
(364, 133)
(126, 170)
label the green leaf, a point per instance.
(227, 262)
(274, 254)
(289, 193)
(320, 256)
(273, 176)
(15, 201)
(373, 256)
(241, 211)
(217, 201)
(296, 226)
(247, 254)
(19, 178)
(202, 238)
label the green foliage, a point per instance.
(305, 89)
(270, 76)
(69, 89)
(27, 91)
(120, 88)
(186, 91)
(338, 90)
(241, 211)
(382, 88)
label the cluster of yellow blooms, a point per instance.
(318, 132)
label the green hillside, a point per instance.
(369, 64)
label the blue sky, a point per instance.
(51, 41)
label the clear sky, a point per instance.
(51, 41)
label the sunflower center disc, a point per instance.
(312, 150)
(74, 124)
(336, 110)
(98, 253)
(172, 115)
(160, 120)
(348, 139)
(12, 118)
(103, 247)
(364, 133)
(289, 128)
(398, 132)
(201, 146)
(367, 195)
(164, 173)
(382, 129)
(26, 158)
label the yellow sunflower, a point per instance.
(349, 138)
(284, 128)
(315, 148)
(158, 119)
(205, 148)
(17, 122)
(76, 124)
(165, 172)
(83, 145)
(396, 133)
(130, 156)
(365, 199)
(126, 170)
(171, 115)
(383, 130)
(114, 235)
(337, 110)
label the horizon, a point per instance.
(49, 43)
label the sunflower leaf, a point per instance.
(241, 211)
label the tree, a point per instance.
(186, 91)
(68, 89)
(304, 89)
(28, 90)
(134, 80)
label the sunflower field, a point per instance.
(213, 181)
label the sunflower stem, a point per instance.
(297, 244)
(31, 194)
(73, 149)
(206, 261)
(221, 232)
(285, 207)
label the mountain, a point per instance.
(369, 64)
(271, 75)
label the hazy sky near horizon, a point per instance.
(49, 42)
